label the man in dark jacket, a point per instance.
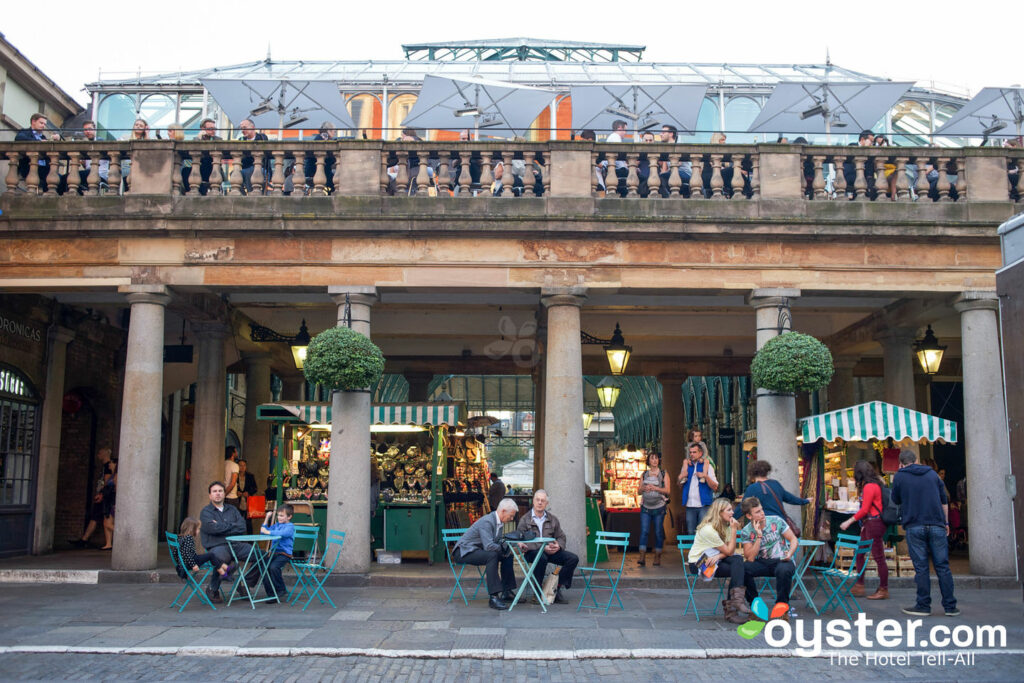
(220, 520)
(481, 545)
(248, 164)
(36, 132)
(544, 524)
(924, 513)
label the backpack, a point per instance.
(890, 510)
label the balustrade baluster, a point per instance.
(216, 178)
(337, 169)
(486, 175)
(507, 179)
(114, 173)
(320, 175)
(632, 175)
(943, 186)
(697, 176)
(755, 176)
(716, 177)
(258, 179)
(465, 177)
(818, 182)
(277, 176)
(176, 183)
(422, 177)
(53, 178)
(235, 174)
(839, 181)
(595, 187)
(385, 179)
(675, 183)
(529, 179)
(546, 177)
(402, 182)
(74, 173)
(860, 184)
(921, 186)
(32, 179)
(902, 186)
(444, 174)
(961, 180)
(186, 163)
(13, 159)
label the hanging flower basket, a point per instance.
(792, 362)
(343, 360)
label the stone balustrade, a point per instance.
(513, 169)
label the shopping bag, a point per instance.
(257, 506)
(550, 585)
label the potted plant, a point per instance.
(792, 362)
(343, 360)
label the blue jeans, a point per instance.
(693, 517)
(275, 576)
(926, 540)
(656, 517)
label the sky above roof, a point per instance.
(73, 42)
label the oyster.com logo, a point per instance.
(752, 628)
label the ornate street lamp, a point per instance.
(298, 343)
(929, 352)
(608, 392)
(615, 348)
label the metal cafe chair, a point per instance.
(303, 533)
(839, 582)
(193, 583)
(693, 580)
(450, 537)
(608, 539)
(313, 575)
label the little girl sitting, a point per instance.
(187, 549)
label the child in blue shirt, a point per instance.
(281, 552)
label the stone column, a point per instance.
(841, 390)
(564, 458)
(989, 500)
(138, 475)
(348, 495)
(898, 366)
(419, 385)
(256, 433)
(49, 439)
(209, 426)
(673, 439)
(293, 388)
(776, 415)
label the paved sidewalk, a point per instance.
(415, 623)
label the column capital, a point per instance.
(256, 358)
(357, 294)
(898, 336)
(60, 335)
(553, 298)
(775, 296)
(845, 362)
(210, 330)
(976, 301)
(146, 294)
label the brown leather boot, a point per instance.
(738, 597)
(642, 562)
(657, 558)
(732, 615)
(858, 590)
(880, 594)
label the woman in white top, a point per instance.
(715, 545)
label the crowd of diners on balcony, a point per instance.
(527, 169)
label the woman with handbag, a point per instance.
(771, 493)
(654, 491)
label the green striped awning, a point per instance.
(877, 420)
(381, 413)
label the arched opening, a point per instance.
(19, 447)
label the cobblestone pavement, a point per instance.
(48, 667)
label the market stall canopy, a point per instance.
(280, 104)
(996, 112)
(382, 413)
(877, 420)
(450, 103)
(825, 107)
(642, 106)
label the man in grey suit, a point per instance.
(482, 546)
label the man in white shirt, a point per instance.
(231, 475)
(621, 166)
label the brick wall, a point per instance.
(95, 369)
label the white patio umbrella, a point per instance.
(823, 107)
(643, 106)
(990, 113)
(280, 103)
(449, 103)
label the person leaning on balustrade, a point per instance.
(102, 165)
(35, 132)
(207, 131)
(247, 162)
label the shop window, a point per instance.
(18, 435)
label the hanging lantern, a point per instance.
(608, 392)
(929, 352)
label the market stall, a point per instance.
(876, 431)
(414, 448)
(622, 471)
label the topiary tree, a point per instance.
(342, 359)
(792, 362)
